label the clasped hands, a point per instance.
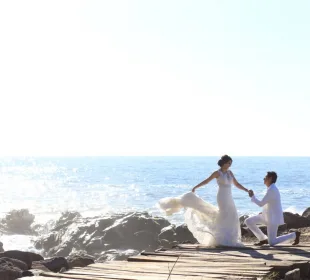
(251, 193)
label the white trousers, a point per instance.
(272, 231)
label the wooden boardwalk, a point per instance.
(197, 262)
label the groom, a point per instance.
(272, 215)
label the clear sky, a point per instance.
(155, 77)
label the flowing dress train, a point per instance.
(210, 225)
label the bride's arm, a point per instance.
(237, 184)
(214, 175)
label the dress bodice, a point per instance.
(225, 179)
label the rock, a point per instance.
(79, 260)
(292, 275)
(295, 220)
(165, 243)
(46, 242)
(72, 233)
(26, 257)
(145, 240)
(20, 264)
(66, 219)
(27, 273)
(97, 245)
(123, 233)
(184, 235)
(1, 247)
(63, 249)
(62, 270)
(168, 233)
(162, 222)
(38, 267)
(8, 271)
(306, 213)
(54, 264)
(244, 231)
(282, 228)
(117, 255)
(242, 219)
(104, 223)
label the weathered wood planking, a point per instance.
(194, 262)
(177, 267)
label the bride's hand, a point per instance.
(193, 190)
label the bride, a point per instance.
(210, 225)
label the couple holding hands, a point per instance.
(220, 225)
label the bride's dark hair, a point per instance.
(224, 159)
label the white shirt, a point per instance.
(272, 208)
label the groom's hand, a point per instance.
(251, 193)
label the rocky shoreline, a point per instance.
(77, 241)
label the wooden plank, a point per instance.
(176, 268)
(192, 271)
(46, 278)
(201, 255)
(183, 270)
(191, 260)
(165, 266)
(247, 246)
(126, 277)
(110, 276)
(159, 265)
(199, 260)
(269, 255)
(273, 250)
(164, 274)
(211, 261)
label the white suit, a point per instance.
(272, 217)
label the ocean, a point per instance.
(48, 186)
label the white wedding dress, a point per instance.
(210, 225)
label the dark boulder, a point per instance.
(79, 260)
(183, 235)
(26, 257)
(168, 233)
(145, 240)
(117, 255)
(72, 233)
(306, 213)
(27, 273)
(20, 264)
(242, 219)
(295, 220)
(54, 264)
(8, 271)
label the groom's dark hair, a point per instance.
(273, 175)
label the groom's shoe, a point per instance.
(260, 243)
(296, 241)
